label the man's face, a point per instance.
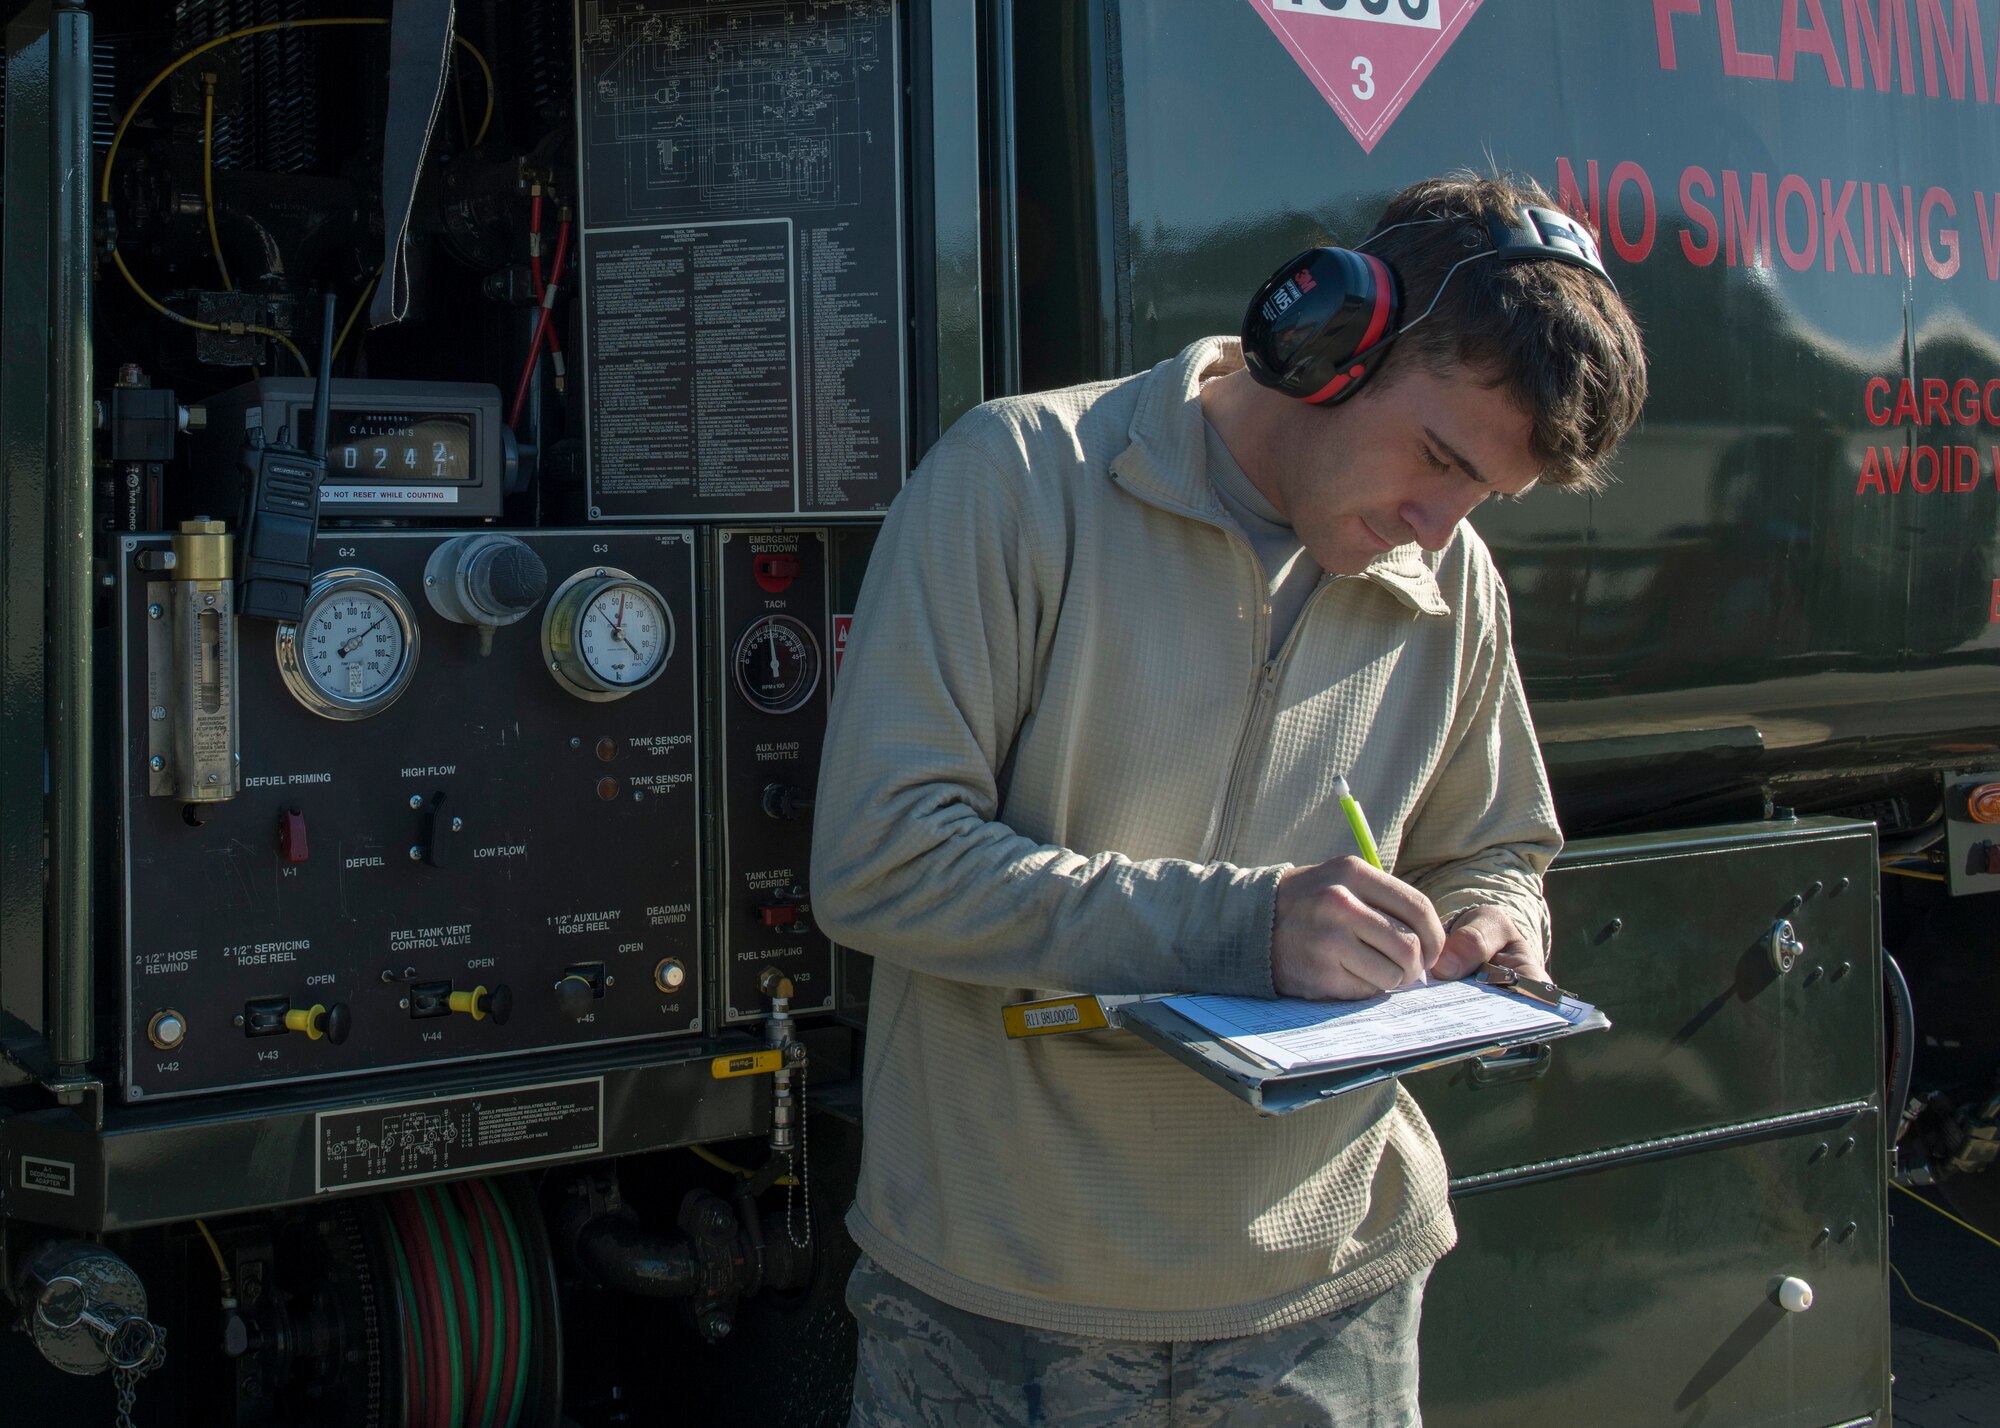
(1404, 462)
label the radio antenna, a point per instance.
(323, 386)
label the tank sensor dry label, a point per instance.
(489, 1130)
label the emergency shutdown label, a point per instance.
(490, 1130)
(742, 259)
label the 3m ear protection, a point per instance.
(1320, 326)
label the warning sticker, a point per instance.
(1367, 58)
(841, 625)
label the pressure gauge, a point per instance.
(606, 633)
(777, 664)
(354, 649)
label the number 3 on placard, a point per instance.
(1364, 88)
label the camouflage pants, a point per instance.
(923, 1362)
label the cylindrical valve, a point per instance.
(485, 579)
(203, 699)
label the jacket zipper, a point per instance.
(1266, 681)
(1258, 717)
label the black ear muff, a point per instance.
(1321, 323)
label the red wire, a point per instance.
(535, 248)
(430, 1308)
(510, 1349)
(541, 327)
(482, 1286)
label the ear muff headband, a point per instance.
(1320, 326)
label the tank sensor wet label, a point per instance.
(489, 1130)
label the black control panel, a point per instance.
(774, 640)
(450, 838)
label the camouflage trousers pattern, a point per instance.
(921, 1362)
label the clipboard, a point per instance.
(1273, 1091)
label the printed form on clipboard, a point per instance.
(1282, 1054)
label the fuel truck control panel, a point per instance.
(452, 812)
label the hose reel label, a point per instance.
(404, 1141)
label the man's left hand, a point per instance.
(1486, 934)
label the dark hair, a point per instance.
(1558, 337)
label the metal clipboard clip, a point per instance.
(1547, 993)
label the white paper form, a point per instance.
(1411, 1021)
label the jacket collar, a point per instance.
(1167, 465)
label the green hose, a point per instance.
(448, 1212)
(454, 1346)
(499, 1313)
(522, 1303)
(406, 1299)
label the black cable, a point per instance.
(1903, 1059)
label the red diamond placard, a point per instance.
(1367, 57)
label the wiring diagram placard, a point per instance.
(741, 204)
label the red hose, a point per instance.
(430, 1310)
(541, 325)
(510, 1349)
(482, 1288)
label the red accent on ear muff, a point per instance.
(1321, 324)
(1339, 383)
(1385, 287)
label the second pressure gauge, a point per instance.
(777, 663)
(354, 649)
(606, 633)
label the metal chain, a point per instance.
(801, 1183)
(126, 1380)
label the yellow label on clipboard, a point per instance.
(1053, 1017)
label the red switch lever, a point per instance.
(775, 572)
(292, 843)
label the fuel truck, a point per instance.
(440, 448)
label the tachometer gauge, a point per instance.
(777, 663)
(354, 649)
(606, 633)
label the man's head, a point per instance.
(1523, 372)
(1556, 338)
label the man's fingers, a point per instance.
(1394, 898)
(1396, 942)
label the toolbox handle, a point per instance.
(1529, 1063)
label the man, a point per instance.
(1114, 647)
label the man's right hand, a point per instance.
(1345, 930)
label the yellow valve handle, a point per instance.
(471, 1002)
(306, 1019)
(750, 1063)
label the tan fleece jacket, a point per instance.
(1059, 761)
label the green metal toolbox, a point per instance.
(1656, 1185)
